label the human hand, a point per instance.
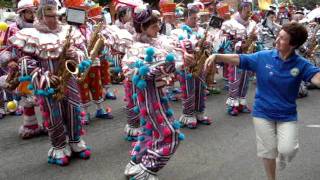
(209, 63)
(54, 80)
(13, 65)
(71, 54)
(189, 59)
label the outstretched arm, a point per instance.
(316, 79)
(233, 59)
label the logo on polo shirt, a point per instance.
(294, 72)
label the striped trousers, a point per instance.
(158, 139)
(238, 82)
(193, 98)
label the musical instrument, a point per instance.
(201, 54)
(312, 46)
(250, 43)
(95, 46)
(63, 69)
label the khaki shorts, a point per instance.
(276, 139)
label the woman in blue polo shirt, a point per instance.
(279, 74)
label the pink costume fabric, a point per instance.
(64, 127)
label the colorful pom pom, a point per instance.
(168, 139)
(24, 78)
(156, 134)
(156, 106)
(30, 87)
(166, 132)
(148, 59)
(149, 144)
(149, 132)
(166, 151)
(141, 97)
(141, 138)
(160, 118)
(134, 158)
(186, 28)
(149, 125)
(141, 84)
(170, 112)
(144, 112)
(143, 70)
(181, 136)
(180, 37)
(142, 122)
(78, 109)
(136, 109)
(134, 96)
(170, 58)
(138, 63)
(117, 69)
(183, 88)
(50, 90)
(164, 100)
(137, 148)
(135, 79)
(45, 115)
(150, 51)
(176, 124)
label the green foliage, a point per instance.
(6, 3)
(309, 4)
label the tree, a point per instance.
(309, 4)
(6, 3)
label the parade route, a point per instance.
(223, 151)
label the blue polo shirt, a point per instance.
(278, 83)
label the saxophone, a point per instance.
(95, 46)
(12, 80)
(200, 56)
(249, 44)
(63, 73)
(312, 46)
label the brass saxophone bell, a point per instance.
(71, 67)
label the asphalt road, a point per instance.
(223, 151)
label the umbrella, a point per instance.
(313, 14)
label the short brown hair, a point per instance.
(298, 33)
(144, 19)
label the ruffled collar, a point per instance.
(241, 21)
(40, 26)
(22, 23)
(143, 38)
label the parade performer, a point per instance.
(204, 15)
(279, 73)
(120, 40)
(124, 17)
(193, 88)
(51, 44)
(113, 57)
(284, 15)
(124, 21)
(26, 9)
(92, 83)
(150, 63)
(269, 29)
(244, 33)
(30, 127)
(168, 24)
